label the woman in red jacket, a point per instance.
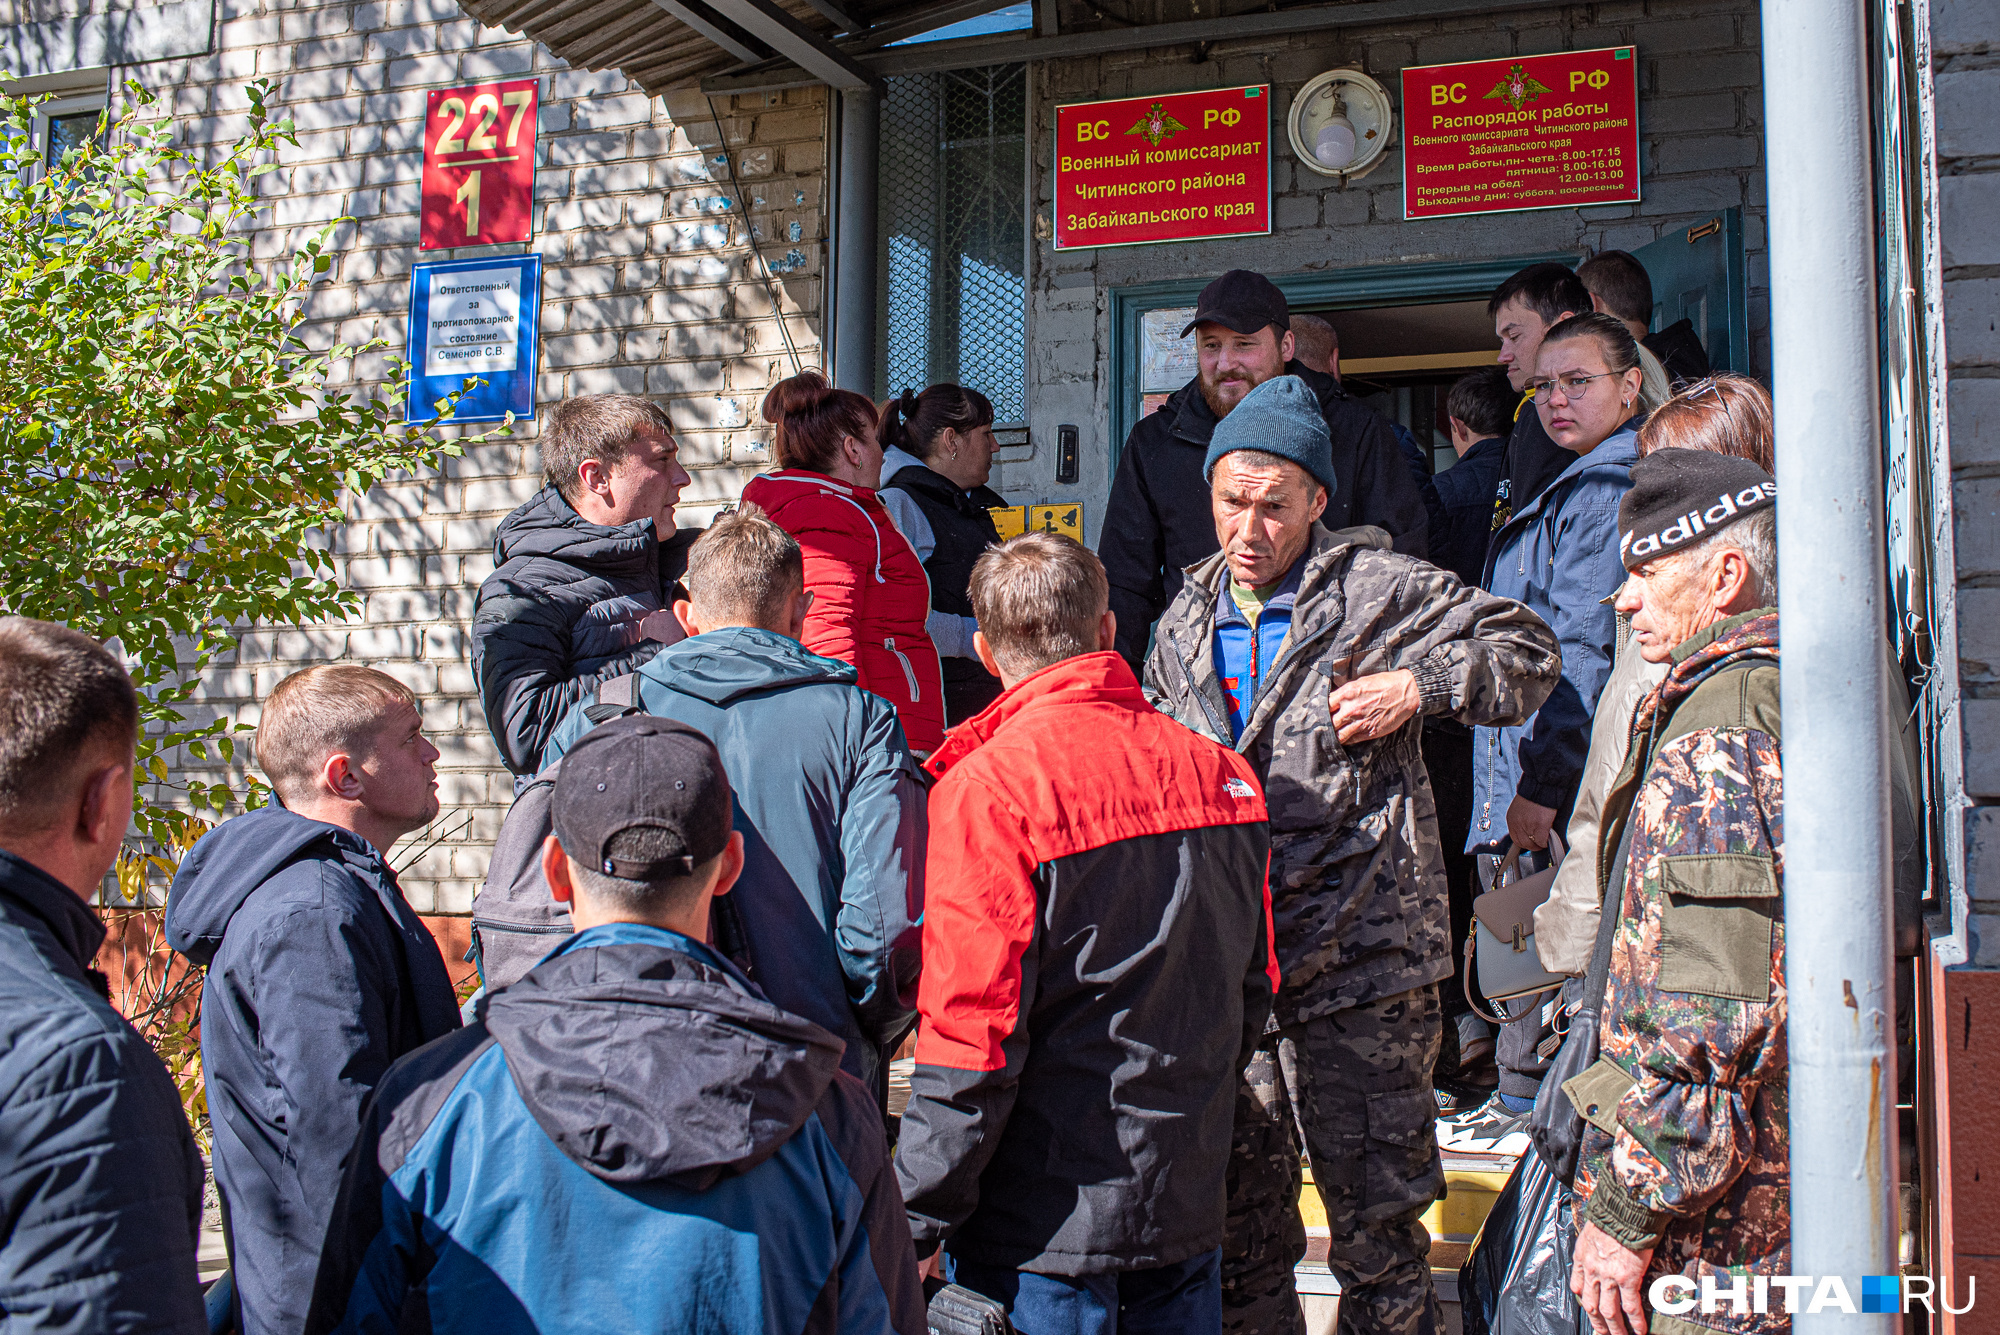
(870, 594)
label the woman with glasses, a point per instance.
(1559, 555)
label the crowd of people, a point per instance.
(1165, 855)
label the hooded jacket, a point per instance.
(100, 1181)
(320, 974)
(1685, 1146)
(831, 807)
(1157, 521)
(871, 597)
(1357, 872)
(561, 613)
(1097, 970)
(632, 1139)
(1558, 555)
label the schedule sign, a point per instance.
(479, 165)
(1537, 132)
(1182, 167)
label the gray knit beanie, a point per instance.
(1281, 417)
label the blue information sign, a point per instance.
(475, 318)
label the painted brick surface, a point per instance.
(650, 286)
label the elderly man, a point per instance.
(584, 572)
(1685, 1159)
(1316, 653)
(1156, 522)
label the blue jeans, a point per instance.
(1184, 1299)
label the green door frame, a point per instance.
(1336, 289)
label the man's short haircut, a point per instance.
(673, 894)
(1723, 414)
(1548, 289)
(745, 571)
(335, 708)
(593, 426)
(1039, 599)
(64, 701)
(1484, 401)
(1314, 339)
(1756, 536)
(1621, 282)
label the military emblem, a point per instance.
(1157, 125)
(1519, 88)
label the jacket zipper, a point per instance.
(909, 673)
(1220, 729)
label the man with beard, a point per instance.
(1157, 522)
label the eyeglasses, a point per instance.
(1572, 385)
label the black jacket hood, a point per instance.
(643, 1063)
(722, 665)
(230, 862)
(546, 526)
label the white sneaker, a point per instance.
(1488, 1129)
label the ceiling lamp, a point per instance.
(1341, 123)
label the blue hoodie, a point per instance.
(320, 974)
(631, 1139)
(1559, 555)
(832, 813)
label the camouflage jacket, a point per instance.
(1686, 1147)
(1357, 870)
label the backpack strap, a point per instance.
(615, 698)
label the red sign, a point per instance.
(1537, 132)
(1183, 167)
(479, 165)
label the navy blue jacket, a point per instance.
(831, 807)
(1559, 555)
(320, 974)
(631, 1139)
(100, 1182)
(560, 613)
(1462, 509)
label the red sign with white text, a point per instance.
(1534, 132)
(479, 165)
(1182, 167)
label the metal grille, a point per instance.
(954, 199)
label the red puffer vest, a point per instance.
(870, 594)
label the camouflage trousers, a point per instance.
(1356, 1086)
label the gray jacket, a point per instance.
(1357, 869)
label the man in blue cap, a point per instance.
(1316, 653)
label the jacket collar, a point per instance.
(1615, 454)
(68, 919)
(1284, 598)
(821, 480)
(1086, 679)
(1747, 635)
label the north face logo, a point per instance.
(1238, 788)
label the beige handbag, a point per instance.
(1503, 933)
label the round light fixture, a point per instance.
(1341, 123)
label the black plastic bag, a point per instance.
(1516, 1280)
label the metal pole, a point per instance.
(1833, 660)
(854, 243)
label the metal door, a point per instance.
(1697, 274)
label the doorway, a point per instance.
(1401, 361)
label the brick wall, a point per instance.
(1701, 126)
(1965, 38)
(649, 286)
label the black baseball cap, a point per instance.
(1243, 301)
(641, 772)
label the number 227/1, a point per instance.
(487, 108)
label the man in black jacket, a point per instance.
(1157, 522)
(1524, 309)
(584, 572)
(100, 1181)
(320, 973)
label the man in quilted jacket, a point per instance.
(1316, 654)
(1686, 1158)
